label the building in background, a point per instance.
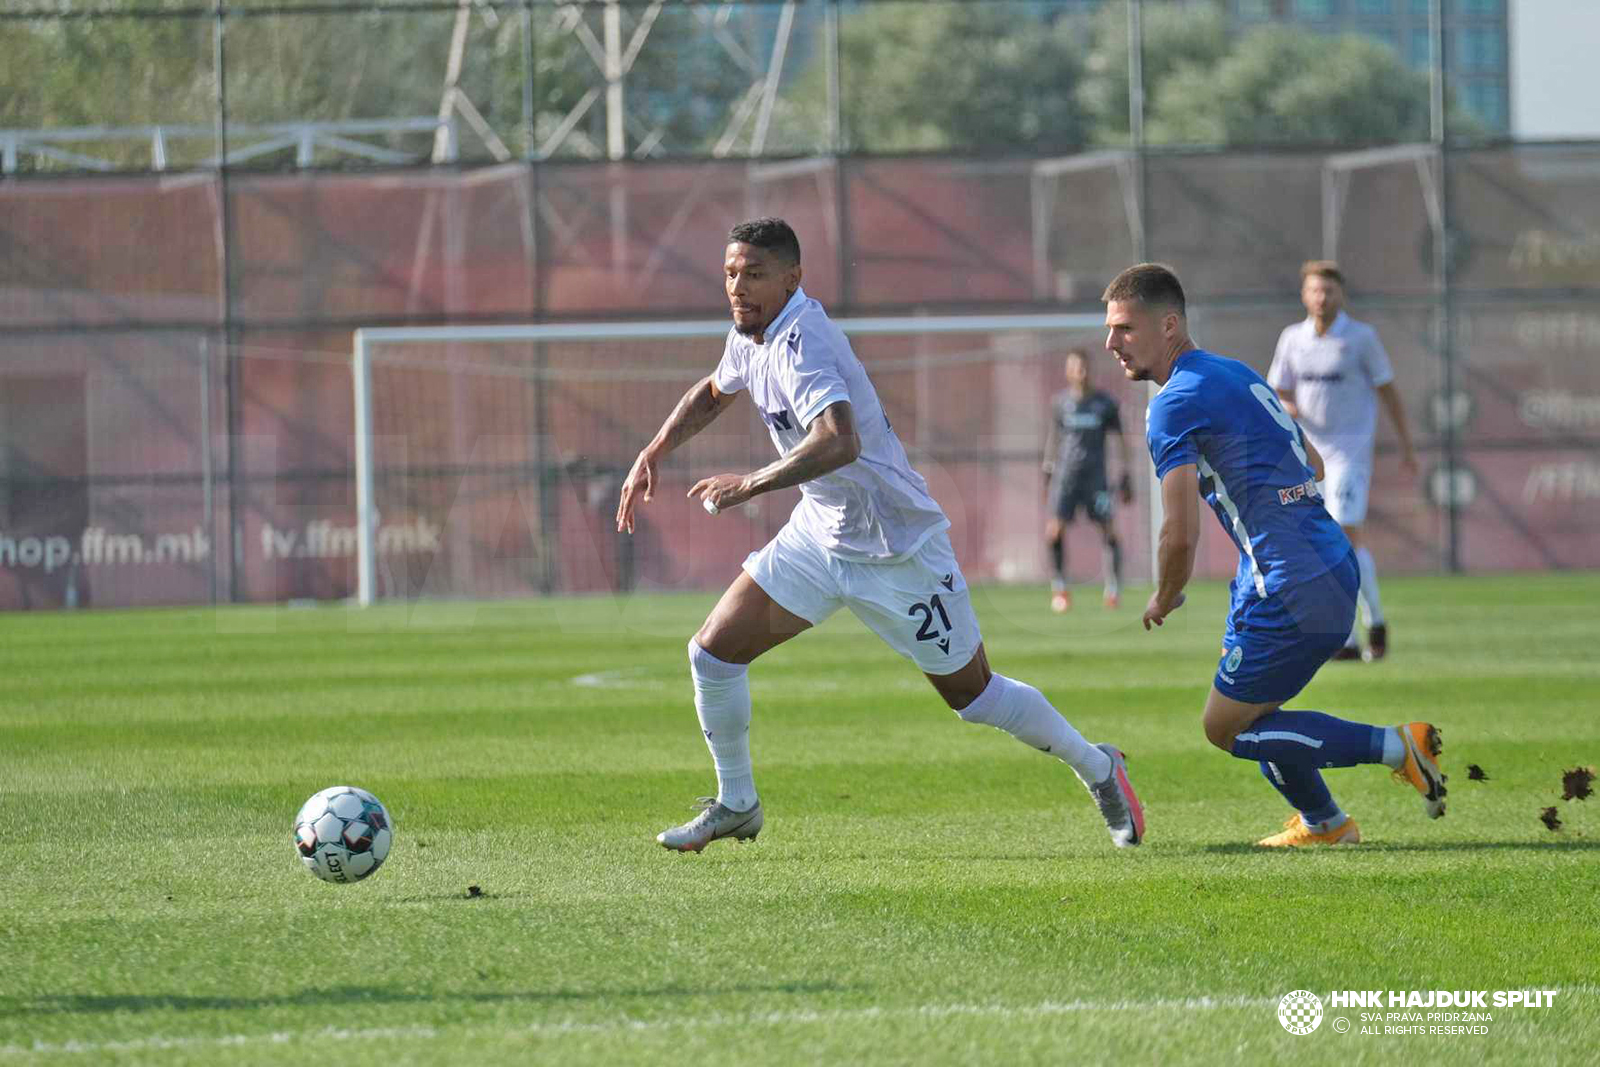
(1554, 80)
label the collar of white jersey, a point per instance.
(1340, 321)
(790, 310)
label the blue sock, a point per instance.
(1304, 789)
(1309, 738)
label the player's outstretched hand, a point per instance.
(722, 490)
(641, 482)
(1157, 612)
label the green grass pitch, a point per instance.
(924, 891)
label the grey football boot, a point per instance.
(1118, 803)
(715, 820)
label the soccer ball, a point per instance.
(343, 834)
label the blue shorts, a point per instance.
(1272, 647)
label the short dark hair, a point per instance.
(1150, 284)
(1322, 268)
(771, 234)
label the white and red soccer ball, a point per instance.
(343, 834)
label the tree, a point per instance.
(957, 76)
(1286, 86)
(1176, 36)
(120, 72)
(328, 66)
(932, 77)
(107, 72)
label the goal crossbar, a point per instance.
(611, 331)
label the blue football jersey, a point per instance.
(1223, 417)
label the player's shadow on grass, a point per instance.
(1242, 848)
(93, 1004)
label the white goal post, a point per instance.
(511, 354)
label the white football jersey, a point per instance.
(875, 509)
(1333, 378)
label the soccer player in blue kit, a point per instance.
(1217, 429)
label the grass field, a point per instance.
(924, 891)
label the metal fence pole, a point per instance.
(529, 98)
(1444, 281)
(1136, 75)
(230, 374)
(834, 75)
(1141, 235)
(208, 506)
(830, 59)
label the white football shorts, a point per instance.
(1344, 491)
(919, 606)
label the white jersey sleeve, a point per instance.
(1281, 375)
(811, 379)
(1374, 359)
(729, 375)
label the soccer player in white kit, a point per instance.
(866, 535)
(1328, 369)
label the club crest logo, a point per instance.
(1300, 1012)
(1235, 657)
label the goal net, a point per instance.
(489, 458)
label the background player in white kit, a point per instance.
(1327, 369)
(866, 535)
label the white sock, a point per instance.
(1023, 712)
(1394, 749)
(1371, 609)
(1338, 820)
(722, 701)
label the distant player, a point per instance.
(1081, 419)
(1217, 429)
(1326, 370)
(865, 536)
